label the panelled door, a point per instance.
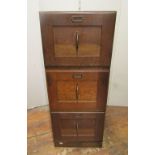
(83, 90)
(77, 39)
(78, 127)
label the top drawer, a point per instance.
(77, 39)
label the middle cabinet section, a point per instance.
(78, 90)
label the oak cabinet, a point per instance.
(77, 49)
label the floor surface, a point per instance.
(40, 140)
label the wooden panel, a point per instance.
(87, 91)
(94, 32)
(88, 40)
(66, 92)
(72, 127)
(86, 128)
(63, 128)
(79, 90)
(68, 128)
(64, 41)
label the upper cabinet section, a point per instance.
(77, 38)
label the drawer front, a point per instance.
(79, 39)
(77, 127)
(78, 90)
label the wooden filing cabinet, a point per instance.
(77, 48)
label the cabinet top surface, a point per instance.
(77, 12)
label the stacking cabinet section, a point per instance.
(77, 127)
(80, 90)
(77, 38)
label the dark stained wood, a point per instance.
(88, 41)
(79, 90)
(79, 39)
(77, 127)
(77, 48)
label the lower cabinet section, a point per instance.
(78, 129)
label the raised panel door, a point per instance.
(77, 90)
(77, 38)
(77, 41)
(66, 92)
(78, 127)
(64, 127)
(87, 91)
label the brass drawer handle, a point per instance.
(77, 19)
(77, 91)
(77, 76)
(77, 43)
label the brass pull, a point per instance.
(77, 19)
(77, 91)
(77, 43)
